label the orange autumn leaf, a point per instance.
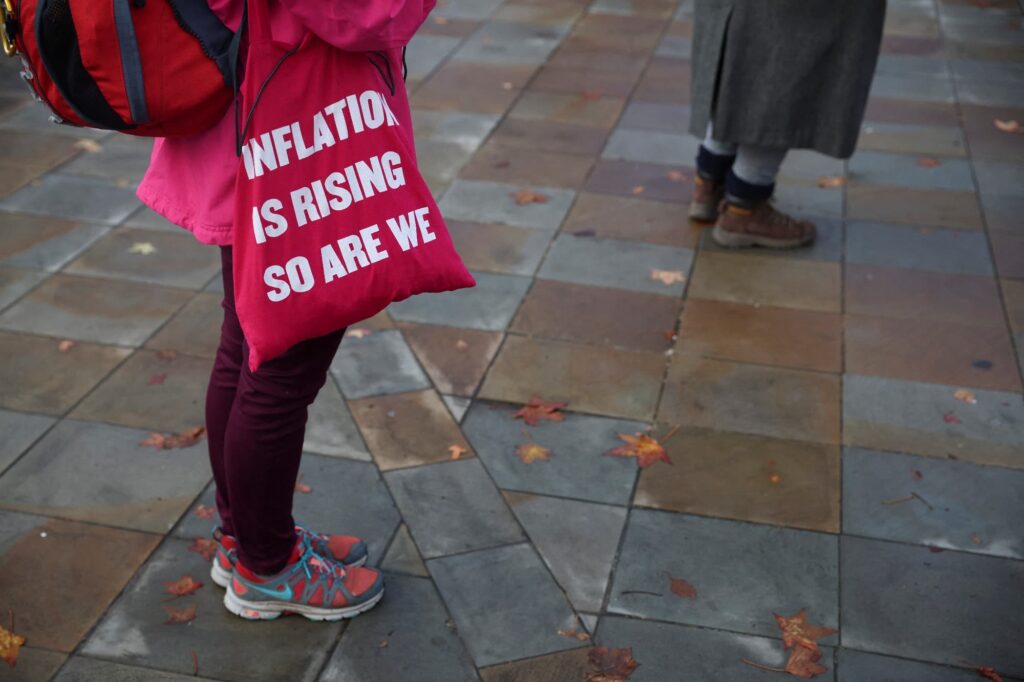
(167, 355)
(827, 181)
(796, 631)
(177, 616)
(157, 379)
(668, 277)
(774, 478)
(457, 451)
(303, 488)
(676, 176)
(682, 588)
(574, 634)
(204, 512)
(525, 196)
(66, 345)
(441, 21)
(536, 410)
(184, 439)
(610, 665)
(647, 450)
(1008, 126)
(803, 663)
(182, 587)
(10, 645)
(965, 396)
(531, 452)
(639, 189)
(204, 547)
(928, 162)
(985, 671)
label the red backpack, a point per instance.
(154, 68)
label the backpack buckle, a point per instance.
(9, 17)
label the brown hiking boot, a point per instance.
(760, 225)
(707, 195)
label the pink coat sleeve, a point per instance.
(361, 25)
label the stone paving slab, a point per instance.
(958, 505)
(578, 467)
(58, 601)
(70, 473)
(742, 573)
(407, 637)
(506, 603)
(452, 507)
(75, 198)
(20, 431)
(43, 243)
(910, 601)
(227, 647)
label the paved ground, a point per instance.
(822, 461)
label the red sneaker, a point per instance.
(309, 585)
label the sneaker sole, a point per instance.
(742, 240)
(223, 578)
(272, 610)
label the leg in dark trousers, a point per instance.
(257, 424)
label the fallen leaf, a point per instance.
(681, 588)
(143, 248)
(676, 176)
(461, 345)
(639, 189)
(610, 665)
(796, 631)
(10, 645)
(525, 196)
(928, 162)
(204, 547)
(457, 451)
(916, 474)
(441, 21)
(670, 334)
(591, 95)
(507, 85)
(303, 488)
(531, 452)
(504, 163)
(668, 277)
(383, 644)
(827, 181)
(87, 145)
(204, 512)
(359, 332)
(537, 410)
(1008, 126)
(647, 450)
(774, 478)
(965, 396)
(157, 379)
(950, 418)
(66, 345)
(989, 674)
(803, 663)
(167, 355)
(182, 587)
(976, 539)
(184, 439)
(178, 616)
(575, 634)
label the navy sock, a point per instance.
(739, 191)
(711, 166)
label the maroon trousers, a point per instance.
(256, 423)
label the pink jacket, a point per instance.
(191, 181)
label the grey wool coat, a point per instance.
(784, 73)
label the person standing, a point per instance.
(769, 77)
